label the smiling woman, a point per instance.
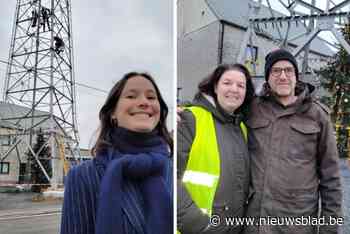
(115, 192)
(212, 159)
(138, 108)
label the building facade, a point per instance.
(211, 32)
(14, 165)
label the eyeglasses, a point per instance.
(277, 71)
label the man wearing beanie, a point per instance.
(294, 158)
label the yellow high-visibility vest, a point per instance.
(202, 172)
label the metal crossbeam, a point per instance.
(314, 22)
(301, 17)
(340, 5)
(308, 39)
(308, 6)
(40, 74)
(341, 39)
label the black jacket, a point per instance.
(232, 190)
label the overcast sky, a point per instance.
(110, 38)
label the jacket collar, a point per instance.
(210, 104)
(304, 92)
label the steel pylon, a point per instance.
(40, 78)
(303, 13)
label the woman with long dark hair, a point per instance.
(213, 161)
(127, 187)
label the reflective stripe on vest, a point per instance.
(244, 131)
(202, 172)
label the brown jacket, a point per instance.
(294, 162)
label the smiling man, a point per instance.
(294, 159)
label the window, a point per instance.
(178, 100)
(22, 173)
(5, 140)
(251, 53)
(4, 168)
(251, 59)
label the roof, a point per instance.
(8, 110)
(237, 14)
(7, 124)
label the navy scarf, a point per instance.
(140, 158)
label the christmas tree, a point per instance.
(38, 177)
(336, 80)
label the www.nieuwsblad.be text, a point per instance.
(216, 220)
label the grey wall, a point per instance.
(197, 57)
(232, 42)
(193, 15)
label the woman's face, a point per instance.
(231, 90)
(138, 107)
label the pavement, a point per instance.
(44, 223)
(22, 214)
(26, 201)
(19, 214)
(58, 193)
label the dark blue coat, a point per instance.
(81, 199)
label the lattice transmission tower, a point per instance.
(310, 17)
(40, 78)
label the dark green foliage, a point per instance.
(37, 175)
(336, 80)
